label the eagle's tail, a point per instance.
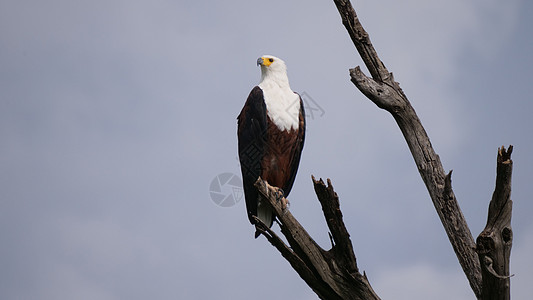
(264, 213)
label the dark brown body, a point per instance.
(265, 150)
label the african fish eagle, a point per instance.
(271, 132)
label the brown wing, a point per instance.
(297, 149)
(251, 133)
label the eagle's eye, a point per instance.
(270, 59)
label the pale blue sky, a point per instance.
(115, 116)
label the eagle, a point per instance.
(271, 133)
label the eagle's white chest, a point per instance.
(282, 104)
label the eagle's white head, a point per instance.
(283, 105)
(273, 68)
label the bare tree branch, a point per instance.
(386, 93)
(495, 241)
(331, 274)
(342, 245)
(361, 40)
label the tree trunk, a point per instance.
(495, 241)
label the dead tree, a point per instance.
(333, 273)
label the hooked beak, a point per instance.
(260, 61)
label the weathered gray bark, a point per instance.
(386, 93)
(333, 274)
(495, 241)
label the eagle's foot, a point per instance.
(265, 184)
(280, 197)
(278, 193)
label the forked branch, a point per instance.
(332, 274)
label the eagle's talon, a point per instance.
(279, 194)
(280, 197)
(265, 184)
